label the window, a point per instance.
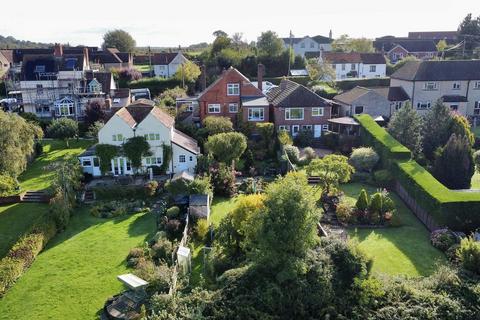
(476, 109)
(214, 108)
(233, 89)
(373, 68)
(454, 107)
(96, 162)
(116, 100)
(294, 114)
(129, 166)
(430, 86)
(312, 45)
(151, 136)
(398, 104)
(456, 85)
(39, 89)
(233, 107)
(317, 112)
(352, 67)
(334, 66)
(117, 137)
(86, 163)
(307, 127)
(39, 69)
(358, 109)
(284, 128)
(423, 105)
(255, 114)
(157, 136)
(153, 161)
(181, 158)
(191, 158)
(476, 85)
(325, 127)
(343, 66)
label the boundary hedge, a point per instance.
(458, 210)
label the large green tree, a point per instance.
(331, 170)
(320, 70)
(436, 128)
(469, 31)
(226, 147)
(269, 44)
(119, 39)
(17, 138)
(346, 44)
(406, 127)
(288, 227)
(461, 127)
(135, 149)
(454, 166)
(187, 72)
(64, 129)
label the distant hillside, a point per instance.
(12, 43)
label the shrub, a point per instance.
(476, 160)
(376, 207)
(362, 203)
(201, 229)
(452, 253)
(304, 138)
(383, 178)
(173, 229)
(151, 188)
(173, 212)
(284, 138)
(158, 277)
(344, 212)
(293, 153)
(134, 255)
(8, 185)
(469, 255)
(223, 180)
(309, 154)
(364, 159)
(442, 239)
(162, 249)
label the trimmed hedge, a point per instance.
(119, 192)
(23, 253)
(352, 83)
(458, 210)
(156, 85)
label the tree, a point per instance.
(220, 33)
(135, 149)
(266, 130)
(94, 129)
(269, 44)
(454, 166)
(17, 139)
(332, 170)
(406, 127)
(363, 202)
(364, 159)
(320, 70)
(120, 40)
(393, 68)
(442, 45)
(469, 31)
(287, 229)
(221, 42)
(94, 112)
(226, 147)
(436, 128)
(215, 125)
(461, 127)
(63, 128)
(347, 44)
(188, 72)
(105, 153)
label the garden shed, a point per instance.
(199, 206)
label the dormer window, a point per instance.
(233, 89)
(94, 86)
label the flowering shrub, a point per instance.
(442, 239)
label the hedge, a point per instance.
(348, 84)
(119, 192)
(459, 210)
(156, 85)
(23, 253)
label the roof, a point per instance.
(126, 116)
(89, 152)
(199, 205)
(163, 58)
(136, 112)
(104, 78)
(317, 39)
(292, 94)
(389, 93)
(121, 93)
(354, 57)
(444, 70)
(392, 93)
(132, 281)
(411, 45)
(454, 98)
(255, 102)
(436, 35)
(198, 200)
(8, 54)
(185, 175)
(184, 141)
(71, 62)
(344, 121)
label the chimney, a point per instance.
(260, 74)
(86, 56)
(283, 84)
(203, 78)
(330, 34)
(108, 102)
(58, 51)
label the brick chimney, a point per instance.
(260, 74)
(203, 78)
(87, 58)
(58, 51)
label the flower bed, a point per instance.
(113, 209)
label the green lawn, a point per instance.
(36, 177)
(76, 273)
(15, 219)
(475, 181)
(402, 250)
(220, 208)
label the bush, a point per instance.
(134, 255)
(173, 212)
(293, 153)
(151, 188)
(476, 160)
(469, 255)
(362, 203)
(223, 180)
(364, 159)
(173, 229)
(344, 212)
(38, 149)
(201, 229)
(383, 178)
(304, 138)
(162, 249)
(309, 154)
(158, 277)
(442, 239)
(8, 185)
(284, 138)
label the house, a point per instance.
(456, 82)
(6, 61)
(451, 37)
(110, 58)
(166, 64)
(377, 102)
(296, 108)
(308, 46)
(142, 118)
(232, 95)
(356, 65)
(398, 48)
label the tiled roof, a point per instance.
(163, 117)
(348, 97)
(137, 111)
(292, 94)
(444, 70)
(163, 58)
(126, 116)
(8, 54)
(318, 39)
(437, 35)
(104, 78)
(354, 57)
(185, 141)
(372, 58)
(390, 93)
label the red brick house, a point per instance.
(295, 108)
(232, 95)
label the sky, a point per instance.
(161, 23)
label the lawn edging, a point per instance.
(458, 210)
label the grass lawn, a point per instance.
(15, 219)
(76, 273)
(220, 208)
(475, 181)
(402, 250)
(36, 177)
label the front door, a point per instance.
(118, 166)
(295, 130)
(317, 131)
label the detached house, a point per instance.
(309, 47)
(356, 65)
(166, 64)
(142, 118)
(398, 48)
(232, 95)
(456, 82)
(296, 108)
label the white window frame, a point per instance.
(251, 114)
(182, 158)
(317, 112)
(233, 89)
(85, 161)
(424, 105)
(288, 112)
(353, 67)
(430, 86)
(324, 127)
(456, 85)
(476, 85)
(235, 107)
(373, 68)
(284, 128)
(214, 108)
